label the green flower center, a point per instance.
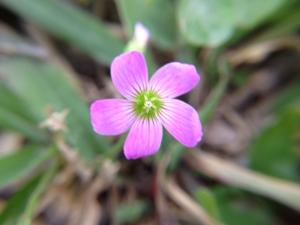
(147, 104)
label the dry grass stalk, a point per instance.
(285, 192)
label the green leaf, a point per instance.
(274, 150)
(249, 14)
(213, 22)
(130, 212)
(17, 204)
(287, 99)
(27, 215)
(287, 24)
(70, 24)
(206, 22)
(237, 207)
(15, 115)
(18, 164)
(157, 15)
(20, 208)
(42, 85)
(208, 201)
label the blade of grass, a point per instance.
(27, 216)
(15, 115)
(17, 203)
(16, 165)
(70, 24)
(44, 86)
(208, 201)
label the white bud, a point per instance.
(140, 38)
(141, 34)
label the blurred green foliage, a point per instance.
(31, 87)
(213, 22)
(15, 115)
(276, 150)
(20, 163)
(43, 86)
(130, 212)
(236, 207)
(207, 199)
(11, 214)
(157, 15)
(233, 206)
(71, 24)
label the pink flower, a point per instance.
(148, 105)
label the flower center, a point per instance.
(147, 104)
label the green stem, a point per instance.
(116, 148)
(216, 95)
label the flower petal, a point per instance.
(144, 139)
(174, 79)
(111, 116)
(182, 122)
(129, 73)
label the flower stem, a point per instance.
(216, 94)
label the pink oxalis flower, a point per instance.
(148, 105)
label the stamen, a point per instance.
(147, 104)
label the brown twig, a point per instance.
(186, 202)
(181, 198)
